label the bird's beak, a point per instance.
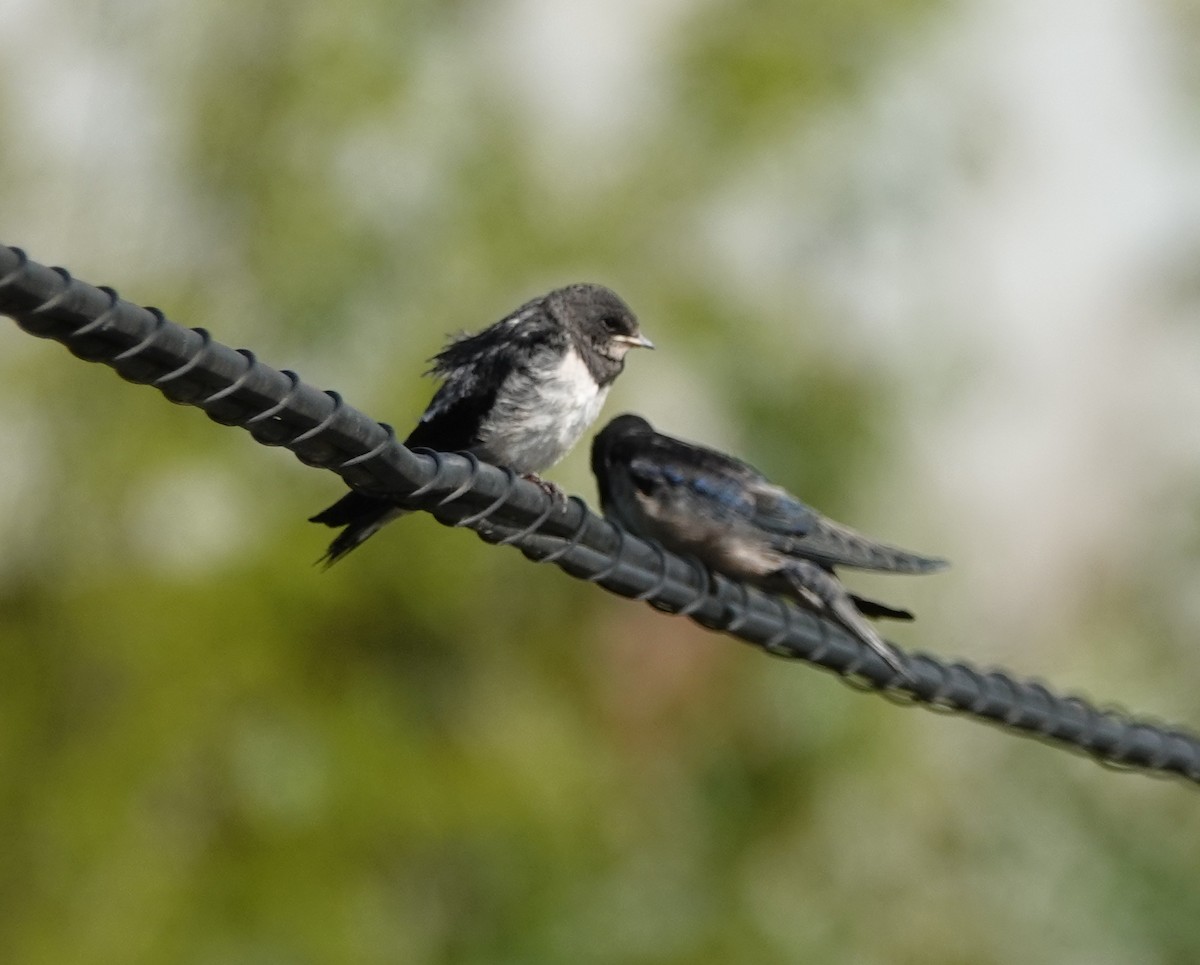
(634, 341)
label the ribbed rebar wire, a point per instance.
(278, 409)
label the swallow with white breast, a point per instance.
(518, 394)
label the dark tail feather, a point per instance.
(361, 515)
(876, 610)
(351, 508)
(832, 544)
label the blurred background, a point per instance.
(932, 264)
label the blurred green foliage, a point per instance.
(213, 753)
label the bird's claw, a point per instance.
(555, 493)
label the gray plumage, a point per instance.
(700, 502)
(519, 393)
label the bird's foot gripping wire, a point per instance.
(557, 497)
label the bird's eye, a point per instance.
(612, 324)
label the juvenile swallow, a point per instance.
(519, 394)
(700, 502)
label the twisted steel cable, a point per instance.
(279, 409)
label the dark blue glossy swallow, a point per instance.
(700, 502)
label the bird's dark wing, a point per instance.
(472, 374)
(451, 422)
(708, 483)
(742, 495)
(797, 530)
(473, 368)
(721, 488)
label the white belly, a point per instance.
(536, 422)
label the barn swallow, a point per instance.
(700, 502)
(519, 394)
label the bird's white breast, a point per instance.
(540, 415)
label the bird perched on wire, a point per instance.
(700, 502)
(519, 394)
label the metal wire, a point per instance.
(279, 409)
